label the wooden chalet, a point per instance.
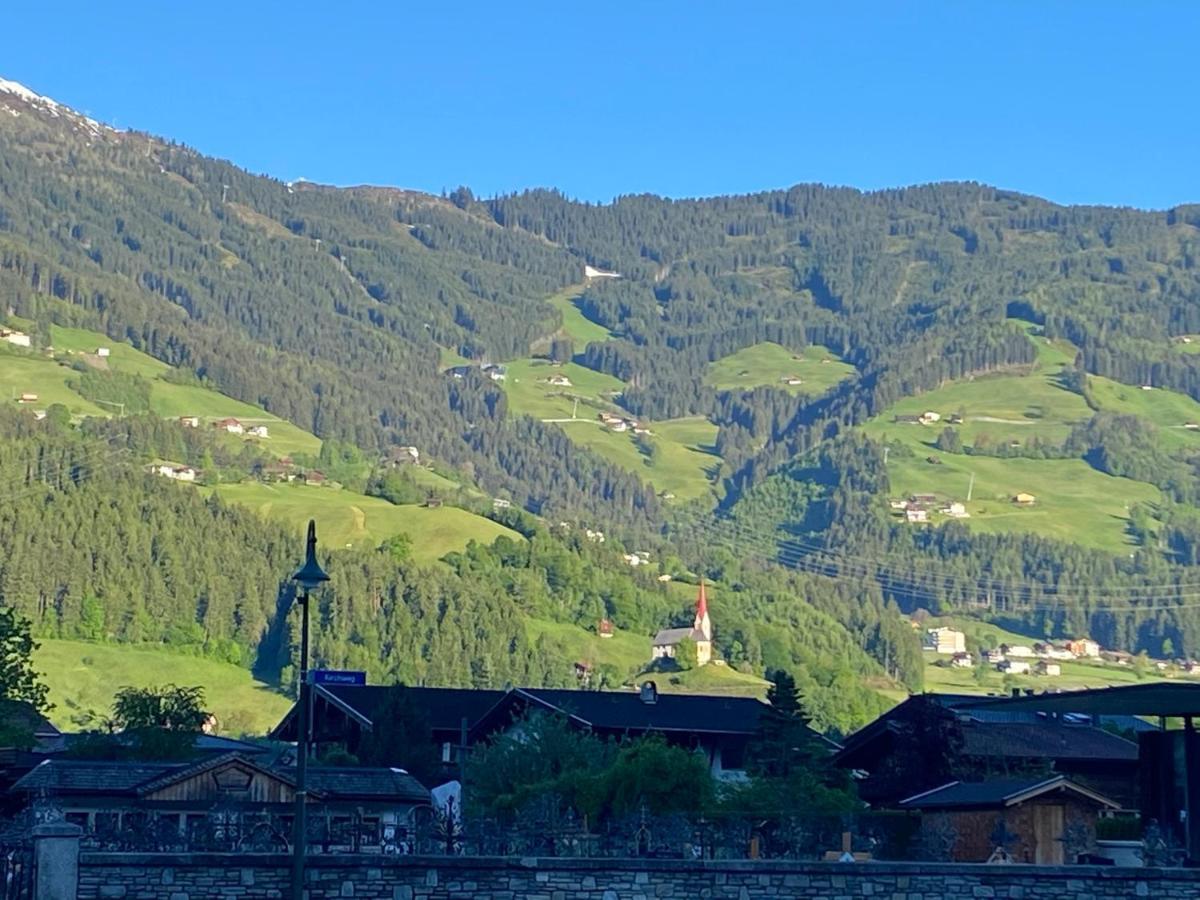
(107, 796)
(978, 742)
(1034, 814)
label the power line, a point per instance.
(801, 547)
(820, 560)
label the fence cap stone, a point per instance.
(57, 830)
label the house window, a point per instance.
(77, 818)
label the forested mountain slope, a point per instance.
(338, 309)
(326, 307)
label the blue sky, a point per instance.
(1081, 102)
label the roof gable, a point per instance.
(228, 773)
(1000, 794)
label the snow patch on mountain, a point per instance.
(47, 105)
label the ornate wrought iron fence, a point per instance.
(16, 860)
(542, 831)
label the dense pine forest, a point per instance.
(341, 310)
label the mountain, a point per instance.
(725, 383)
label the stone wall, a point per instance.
(250, 877)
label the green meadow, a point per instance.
(628, 653)
(83, 678)
(1074, 502)
(770, 365)
(347, 519)
(578, 327)
(682, 460)
(1170, 411)
(26, 372)
(530, 392)
(122, 357)
(711, 679)
(30, 371)
(942, 679)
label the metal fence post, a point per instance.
(56, 861)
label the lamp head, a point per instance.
(311, 575)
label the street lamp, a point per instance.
(310, 576)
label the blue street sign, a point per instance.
(335, 676)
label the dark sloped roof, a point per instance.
(626, 711)
(445, 708)
(1159, 698)
(204, 743)
(349, 782)
(92, 776)
(1050, 740)
(984, 709)
(1017, 735)
(87, 776)
(997, 793)
(674, 635)
(212, 743)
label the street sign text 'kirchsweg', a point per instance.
(336, 676)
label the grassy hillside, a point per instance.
(711, 679)
(23, 372)
(1074, 502)
(683, 460)
(625, 651)
(83, 678)
(578, 327)
(681, 463)
(768, 364)
(1170, 411)
(530, 393)
(1075, 676)
(347, 519)
(36, 372)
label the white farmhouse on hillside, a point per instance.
(1013, 667)
(945, 640)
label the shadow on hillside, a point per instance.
(274, 650)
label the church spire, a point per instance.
(702, 623)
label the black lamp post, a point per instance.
(310, 576)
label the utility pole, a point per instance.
(224, 192)
(310, 576)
